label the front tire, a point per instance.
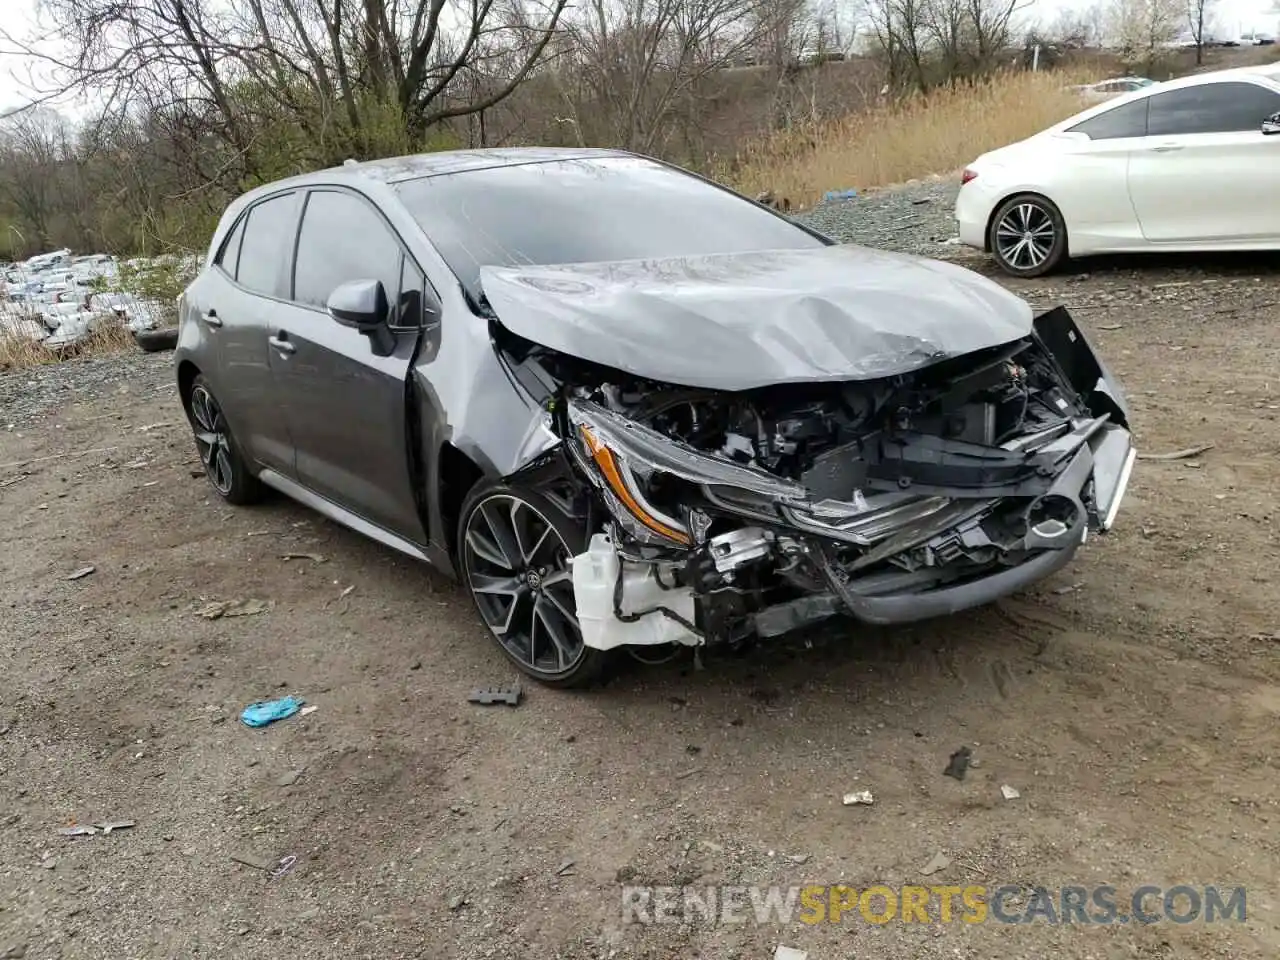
(1028, 237)
(514, 556)
(224, 466)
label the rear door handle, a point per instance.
(1166, 147)
(212, 318)
(281, 342)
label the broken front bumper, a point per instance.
(892, 558)
(628, 601)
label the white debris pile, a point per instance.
(58, 299)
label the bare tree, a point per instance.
(1141, 28)
(926, 42)
(633, 63)
(33, 149)
(1200, 22)
(1078, 27)
(336, 68)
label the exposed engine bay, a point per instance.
(726, 514)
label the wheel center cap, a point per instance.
(533, 579)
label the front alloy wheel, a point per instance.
(515, 551)
(1028, 236)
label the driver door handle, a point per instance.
(1166, 147)
(281, 342)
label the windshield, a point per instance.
(583, 211)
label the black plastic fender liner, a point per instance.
(1081, 365)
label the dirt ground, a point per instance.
(1133, 701)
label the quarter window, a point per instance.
(1212, 108)
(268, 236)
(1126, 120)
(342, 239)
(229, 256)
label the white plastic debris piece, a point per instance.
(790, 953)
(1008, 792)
(81, 573)
(859, 796)
(307, 710)
(940, 861)
(106, 826)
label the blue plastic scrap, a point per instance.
(839, 195)
(267, 711)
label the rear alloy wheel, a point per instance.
(1028, 236)
(515, 552)
(222, 462)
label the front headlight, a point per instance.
(633, 465)
(619, 480)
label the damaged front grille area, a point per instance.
(732, 514)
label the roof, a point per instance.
(418, 165)
(390, 170)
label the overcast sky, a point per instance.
(18, 17)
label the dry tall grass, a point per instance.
(914, 138)
(18, 351)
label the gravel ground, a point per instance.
(1132, 700)
(915, 218)
(25, 394)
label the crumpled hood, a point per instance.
(745, 320)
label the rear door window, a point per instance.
(1212, 108)
(267, 244)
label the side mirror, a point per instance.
(359, 303)
(362, 304)
(1271, 125)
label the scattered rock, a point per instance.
(859, 797)
(234, 608)
(1008, 792)
(939, 862)
(289, 779)
(81, 573)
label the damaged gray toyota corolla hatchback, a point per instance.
(627, 407)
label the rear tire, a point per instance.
(224, 465)
(514, 551)
(1028, 237)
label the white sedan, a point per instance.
(1186, 165)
